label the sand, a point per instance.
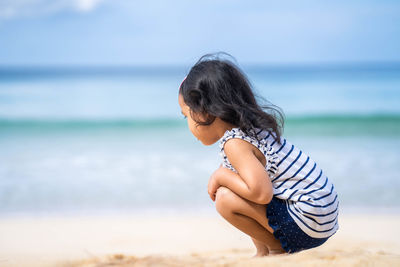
(189, 240)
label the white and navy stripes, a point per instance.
(311, 198)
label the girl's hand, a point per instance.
(213, 183)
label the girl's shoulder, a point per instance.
(261, 139)
(258, 137)
(235, 133)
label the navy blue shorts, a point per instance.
(286, 230)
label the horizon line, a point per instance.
(181, 65)
(26, 71)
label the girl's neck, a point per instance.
(221, 127)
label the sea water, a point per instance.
(113, 140)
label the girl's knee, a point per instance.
(223, 200)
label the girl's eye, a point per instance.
(184, 117)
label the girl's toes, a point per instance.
(262, 253)
(276, 251)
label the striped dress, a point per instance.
(310, 197)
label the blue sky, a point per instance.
(155, 32)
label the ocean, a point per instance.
(113, 140)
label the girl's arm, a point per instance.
(251, 182)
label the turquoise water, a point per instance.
(101, 141)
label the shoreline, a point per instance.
(151, 213)
(198, 240)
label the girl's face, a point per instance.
(207, 134)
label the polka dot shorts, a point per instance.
(292, 238)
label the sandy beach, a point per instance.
(189, 240)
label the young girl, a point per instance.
(265, 186)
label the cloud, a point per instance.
(86, 5)
(22, 8)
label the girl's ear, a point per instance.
(195, 97)
(202, 118)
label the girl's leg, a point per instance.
(249, 217)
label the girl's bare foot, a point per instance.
(276, 251)
(262, 250)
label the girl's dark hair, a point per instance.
(216, 87)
